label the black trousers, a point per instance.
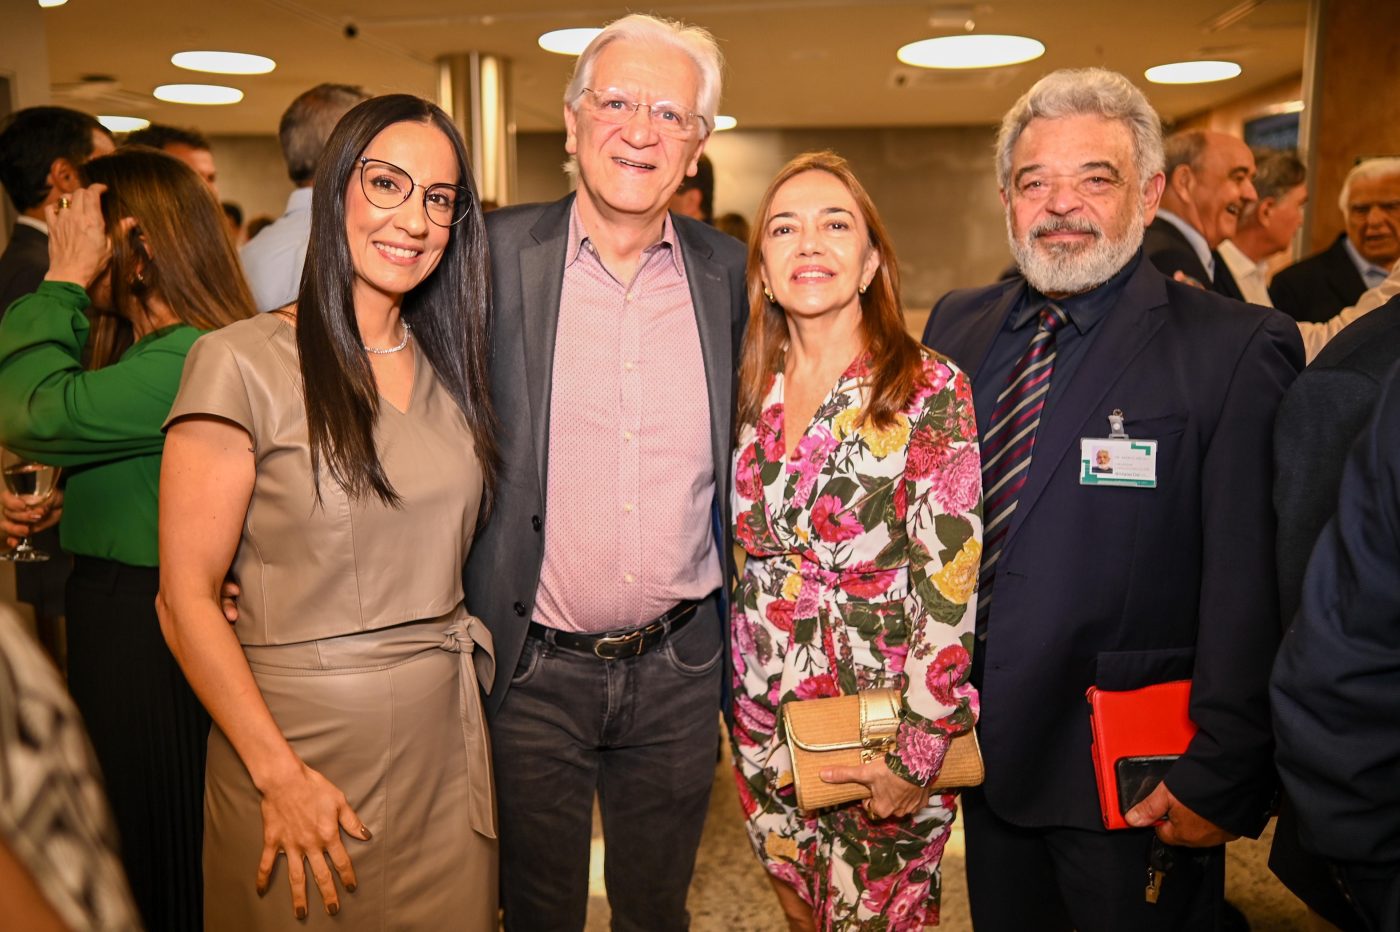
(1063, 879)
(639, 733)
(149, 732)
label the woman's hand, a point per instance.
(19, 519)
(890, 795)
(78, 244)
(302, 817)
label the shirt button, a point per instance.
(629, 296)
(627, 435)
(629, 578)
(628, 366)
(535, 522)
(627, 508)
(519, 609)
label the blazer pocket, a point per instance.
(1134, 669)
(1156, 426)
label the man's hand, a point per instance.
(1182, 825)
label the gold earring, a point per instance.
(769, 295)
(863, 287)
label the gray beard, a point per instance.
(1056, 270)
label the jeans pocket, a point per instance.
(696, 649)
(527, 665)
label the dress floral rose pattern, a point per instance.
(862, 557)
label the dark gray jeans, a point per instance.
(641, 733)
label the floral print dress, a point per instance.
(862, 558)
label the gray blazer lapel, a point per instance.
(541, 283)
(709, 293)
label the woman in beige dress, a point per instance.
(332, 457)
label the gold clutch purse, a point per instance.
(847, 731)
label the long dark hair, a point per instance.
(895, 357)
(449, 310)
(187, 259)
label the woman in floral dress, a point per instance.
(858, 501)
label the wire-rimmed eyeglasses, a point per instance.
(386, 186)
(611, 105)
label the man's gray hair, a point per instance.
(1382, 167)
(307, 124)
(1184, 148)
(1080, 92)
(639, 27)
(1276, 172)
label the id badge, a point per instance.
(1118, 460)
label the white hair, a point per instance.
(639, 27)
(1383, 167)
(1085, 91)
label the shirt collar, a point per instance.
(1371, 273)
(34, 222)
(579, 240)
(1239, 263)
(1194, 237)
(1083, 310)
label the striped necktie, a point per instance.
(1008, 445)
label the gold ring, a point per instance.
(64, 203)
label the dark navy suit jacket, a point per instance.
(1120, 587)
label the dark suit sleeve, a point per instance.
(1287, 297)
(1227, 774)
(1336, 686)
(1317, 422)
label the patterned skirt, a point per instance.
(855, 873)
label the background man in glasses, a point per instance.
(600, 571)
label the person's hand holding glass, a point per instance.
(30, 494)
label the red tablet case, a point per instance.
(1151, 722)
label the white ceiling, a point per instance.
(790, 63)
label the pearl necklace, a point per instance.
(407, 332)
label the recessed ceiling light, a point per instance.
(123, 124)
(974, 51)
(223, 62)
(568, 41)
(723, 122)
(46, 4)
(197, 94)
(1192, 72)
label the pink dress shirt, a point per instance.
(631, 476)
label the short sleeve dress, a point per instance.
(863, 550)
(352, 620)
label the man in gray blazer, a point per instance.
(601, 568)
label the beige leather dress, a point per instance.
(352, 620)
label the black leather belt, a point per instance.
(617, 645)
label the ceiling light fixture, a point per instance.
(723, 122)
(223, 62)
(205, 94)
(48, 4)
(974, 51)
(1193, 72)
(568, 41)
(123, 124)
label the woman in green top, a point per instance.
(145, 250)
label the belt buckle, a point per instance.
(619, 640)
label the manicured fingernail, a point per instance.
(332, 908)
(262, 891)
(301, 912)
(350, 887)
(364, 833)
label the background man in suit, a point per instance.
(1116, 587)
(1336, 684)
(599, 573)
(1319, 419)
(1208, 186)
(1268, 224)
(272, 260)
(1360, 258)
(695, 198)
(41, 149)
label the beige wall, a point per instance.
(252, 174)
(935, 189)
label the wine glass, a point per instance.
(33, 482)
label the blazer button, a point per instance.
(535, 522)
(520, 609)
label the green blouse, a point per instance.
(102, 426)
